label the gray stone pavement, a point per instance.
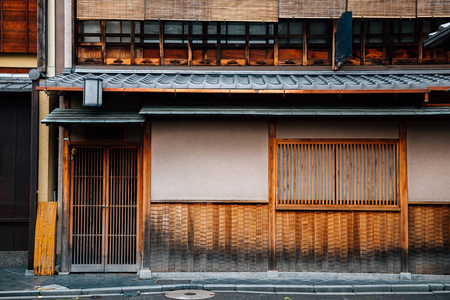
(14, 283)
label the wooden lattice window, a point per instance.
(358, 174)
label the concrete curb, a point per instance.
(267, 288)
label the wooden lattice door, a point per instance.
(104, 209)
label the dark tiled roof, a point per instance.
(293, 111)
(15, 83)
(91, 116)
(440, 37)
(257, 80)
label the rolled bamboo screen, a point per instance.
(177, 10)
(433, 8)
(382, 8)
(110, 9)
(311, 9)
(244, 10)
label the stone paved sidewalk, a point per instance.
(14, 282)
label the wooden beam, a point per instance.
(146, 195)
(272, 194)
(403, 196)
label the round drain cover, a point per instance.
(189, 294)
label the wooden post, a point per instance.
(146, 183)
(65, 232)
(305, 44)
(403, 193)
(272, 184)
(190, 44)
(103, 40)
(275, 46)
(333, 48)
(33, 171)
(363, 43)
(161, 43)
(247, 44)
(132, 46)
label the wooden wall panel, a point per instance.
(244, 10)
(433, 8)
(209, 237)
(178, 10)
(311, 9)
(331, 241)
(18, 24)
(429, 239)
(382, 8)
(110, 9)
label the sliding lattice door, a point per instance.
(104, 209)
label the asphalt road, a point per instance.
(273, 296)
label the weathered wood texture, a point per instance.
(110, 9)
(429, 239)
(360, 242)
(382, 8)
(247, 10)
(433, 8)
(18, 26)
(311, 9)
(209, 238)
(44, 247)
(178, 10)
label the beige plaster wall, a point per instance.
(209, 160)
(337, 130)
(18, 60)
(428, 149)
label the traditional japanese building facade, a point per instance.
(211, 136)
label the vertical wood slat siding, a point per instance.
(337, 173)
(429, 239)
(311, 9)
(433, 8)
(354, 242)
(209, 237)
(382, 8)
(110, 9)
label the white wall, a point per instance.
(337, 130)
(428, 146)
(209, 160)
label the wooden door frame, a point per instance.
(67, 184)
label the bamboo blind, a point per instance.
(335, 241)
(244, 10)
(209, 237)
(311, 9)
(429, 239)
(178, 10)
(110, 9)
(433, 8)
(354, 173)
(382, 8)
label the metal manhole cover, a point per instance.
(189, 294)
